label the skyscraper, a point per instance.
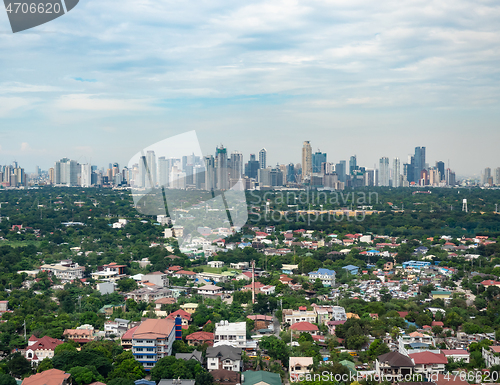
(209, 173)
(396, 170)
(290, 173)
(497, 176)
(151, 169)
(222, 169)
(164, 171)
(318, 158)
(487, 176)
(307, 167)
(85, 175)
(263, 158)
(440, 168)
(352, 164)
(236, 161)
(419, 163)
(340, 170)
(384, 171)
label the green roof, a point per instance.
(252, 378)
(440, 292)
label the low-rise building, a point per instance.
(210, 291)
(200, 338)
(231, 333)
(226, 377)
(158, 278)
(428, 363)
(457, 355)
(65, 270)
(190, 307)
(224, 357)
(48, 377)
(394, 364)
(298, 367)
(326, 276)
(215, 264)
(111, 272)
(304, 327)
(149, 294)
(491, 356)
(302, 315)
(40, 348)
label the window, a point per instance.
(151, 349)
(241, 337)
(149, 341)
(138, 349)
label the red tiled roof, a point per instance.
(48, 377)
(184, 314)
(129, 333)
(45, 343)
(437, 323)
(200, 336)
(427, 358)
(304, 326)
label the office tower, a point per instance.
(290, 173)
(209, 173)
(369, 177)
(353, 164)
(440, 168)
(341, 170)
(163, 171)
(450, 177)
(52, 176)
(396, 170)
(236, 165)
(151, 178)
(419, 164)
(384, 171)
(306, 160)
(222, 169)
(497, 176)
(263, 158)
(37, 170)
(142, 174)
(318, 158)
(252, 167)
(487, 176)
(66, 172)
(85, 175)
(434, 177)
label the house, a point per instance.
(40, 348)
(184, 274)
(4, 306)
(224, 357)
(393, 363)
(260, 378)
(210, 291)
(260, 288)
(126, 340)
(82, 336)
(285, 280)
(110, 272)
(416, 342)
(164, 301)
(200, 338)
(457, 355)
(326, 276)
(195, 355)
(158, 278)
(447, 379)
(65, 270)
(239, 265)
(304, 327)
(261, 321)
(351, 269)
(215, 264)
(488, 282)
(428, 363)
(149, 294)
(106, 287)
(418, 265)
(491, 356)
(212, 277)
(226, 377)
(110, 309)
(332, 325)
(298, 367)
(118, 327)
(302, 315)
(190, 307)
(177, 381)
(231, 333)
(443, 294)
(48, 377)
(185, 316)
(388, 266)
(153, 340)
(288, 269)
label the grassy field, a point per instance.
(18, 243)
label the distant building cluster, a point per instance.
(222, 170)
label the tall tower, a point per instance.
(419, 163)
(236, 165)
(222, 169)
(151, 169)
(209, 173)
(318, 159)
(396, 169)
(353, 164)
(384, 171)
(307, 168)
(263, 158)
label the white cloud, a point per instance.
(95, 103)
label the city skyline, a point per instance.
(364, 78)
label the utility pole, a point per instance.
(253, 281)
(24, 329)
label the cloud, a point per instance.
(8, 105)
(85, 80)
(25, 147)
(86, 102)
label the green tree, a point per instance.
(46, 364)
(5, 379)
(204, 378)
(83, 375)
(18, 365)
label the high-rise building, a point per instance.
(66, 172)
(222, 169)
(369, 177)
(353, 164)
(450, 177)
(440, 168)
(487, 176)
(252, 167)
(263, 158)
(497, 176)
(341, 170)
(151, 177)
(290, 173)
(209, 173)
(419, 164)
(307, 167)
(318, 158)
(164, 171)
(85, 175)
(384, 171)
(236, 165)
(396, 173)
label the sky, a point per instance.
(356, 77)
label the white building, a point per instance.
(158, 278)
(326, 276)
(210, 290)
(234, 334)
(64, 270)
(491, 356)
(298, 367)
(120, 224)
(224, 357)
(301, 315)
(216, 264)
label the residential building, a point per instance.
(304, 327)
(190, 307)
(326, 276)
(118, 327)
(428, 363)
(150, 294)
(153, 340)
(260, 378)
(239, 265)
(231, 333)
(416, 342)
(226, 377)
(298, 367)
(215, 264)
(306, 160)
(48, 377)
(210, 291)
(65, 270)
(82, 336)
(212, 277)
(106, 287)
(200, 338)
(351, 269)
(393, 363)
(158, 278)
(40, 348)
(457, 355)
(491, 356)
(195, 355)
(261, 321)
(185, 316)
(302, 315)
(224, 357)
